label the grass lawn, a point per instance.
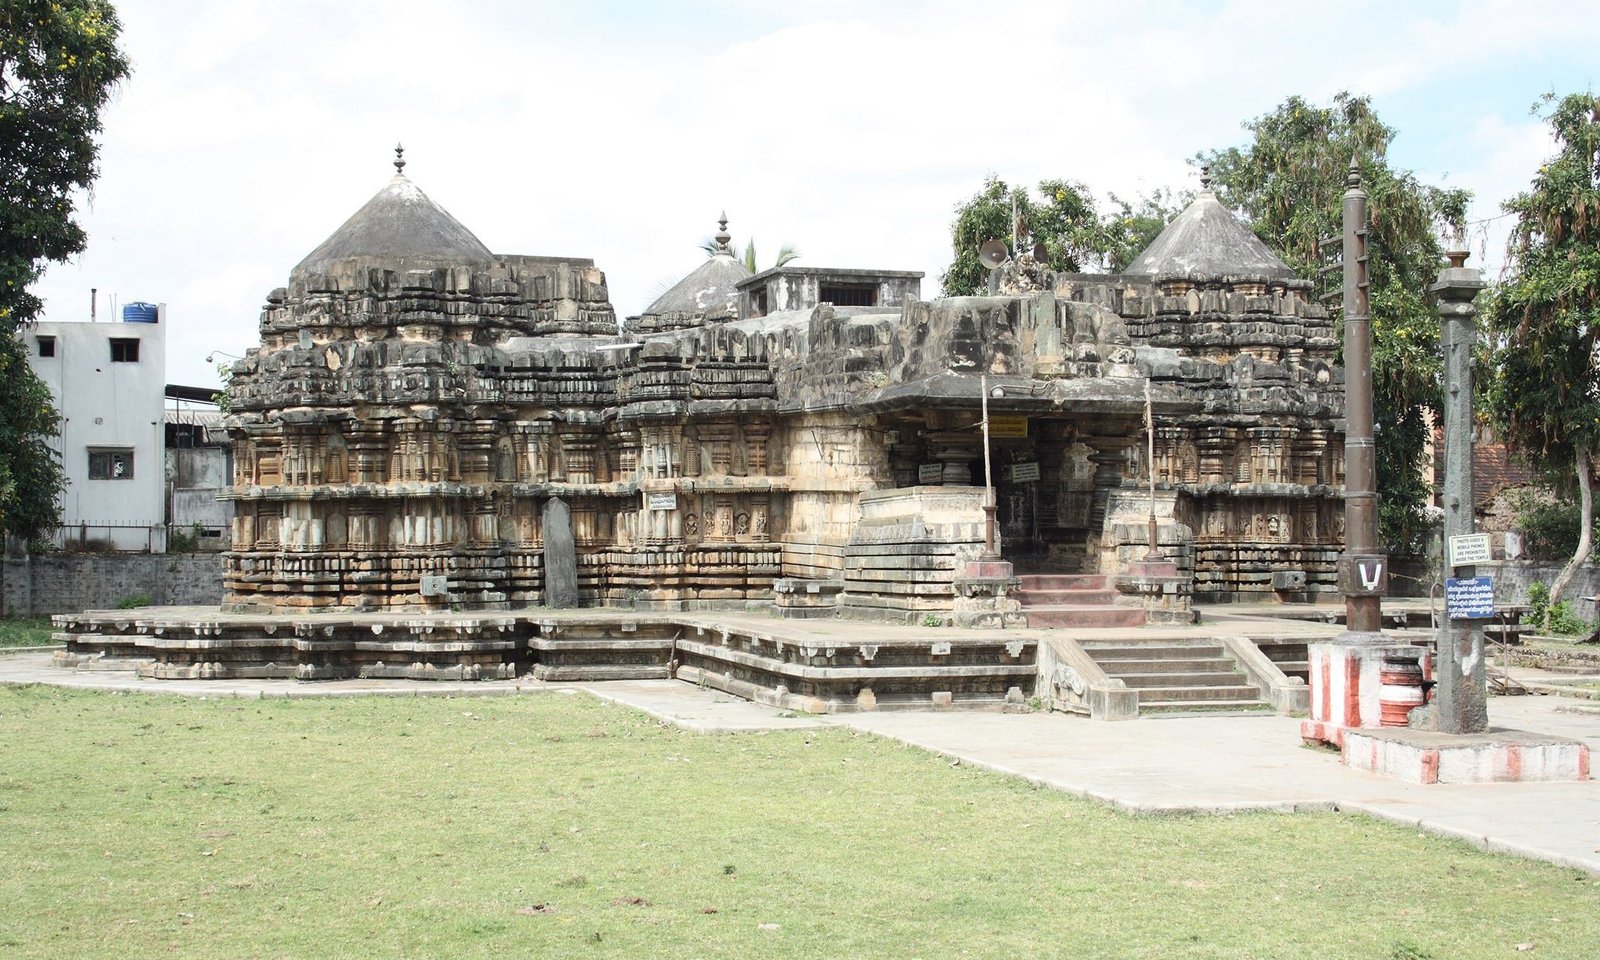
(556, 826)
(24, 632)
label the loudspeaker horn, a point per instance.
(993, 254)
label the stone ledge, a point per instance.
(1498, 756)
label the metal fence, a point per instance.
(110, 537)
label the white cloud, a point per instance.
(250, 130)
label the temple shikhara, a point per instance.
(432, 427)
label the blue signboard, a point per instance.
(1469, 598)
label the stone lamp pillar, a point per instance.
(1461, 696)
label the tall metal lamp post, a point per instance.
(1363, 569)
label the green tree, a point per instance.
(1289, 182)
(1543, 318)
(59, 62)
(1064, 218)
(30, 470)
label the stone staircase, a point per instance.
(1174, 676)
(1074, 600)
(1289, 655)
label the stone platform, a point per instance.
(804, 665)
(1497, 756)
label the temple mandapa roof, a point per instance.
(1206, 241)
(399, 221)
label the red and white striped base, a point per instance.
(1348, 689)
(1500, 756)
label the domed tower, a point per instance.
(709, 294)
(381, 428)
(1258, 465)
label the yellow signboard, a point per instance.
(1008, 425)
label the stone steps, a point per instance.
(1074, 600)
(1031, 598)
(1064, 581)
(1109, 650)
(1157, 707)
(1177, 677)
(1290, 656)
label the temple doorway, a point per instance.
(1044, 491)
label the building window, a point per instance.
(124, 349)
(47, 346)
(111, 464)
(848, 294)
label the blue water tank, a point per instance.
(140, 313)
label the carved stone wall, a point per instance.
(1258, 464)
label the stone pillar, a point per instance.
(1110, 459)
(956, 450)
(1216, 446)
(1461, 696)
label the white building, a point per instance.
(108, 380)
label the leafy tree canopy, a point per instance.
(30, 471)
(1063, 217)
(1544, 317)
(1289, 182)
(58, 64)
(1543, 388)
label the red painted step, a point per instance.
(1031, 598)
(1065, 581)
(1083, 616)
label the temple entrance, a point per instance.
(1052, 476)
(1045, 491)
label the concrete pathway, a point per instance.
(1202, 764)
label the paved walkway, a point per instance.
(1207, 764)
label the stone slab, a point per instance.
(1498, 756)
(560, 556)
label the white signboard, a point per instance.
(930, 473)
(1024, 473)
(662, 501)
(1469, 548)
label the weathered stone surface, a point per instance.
(560, 556)
(418, 403)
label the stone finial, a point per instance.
(399, 160)
(723, 237)
(1457, 252)
(1205, 177)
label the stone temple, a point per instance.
(429, 426)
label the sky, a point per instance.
(250, 130)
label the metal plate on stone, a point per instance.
(1008, 425)
(1364, 576)
(1469, 598)
(930, 473)
(1024, 473)
(662, 501)
(1470, 548)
